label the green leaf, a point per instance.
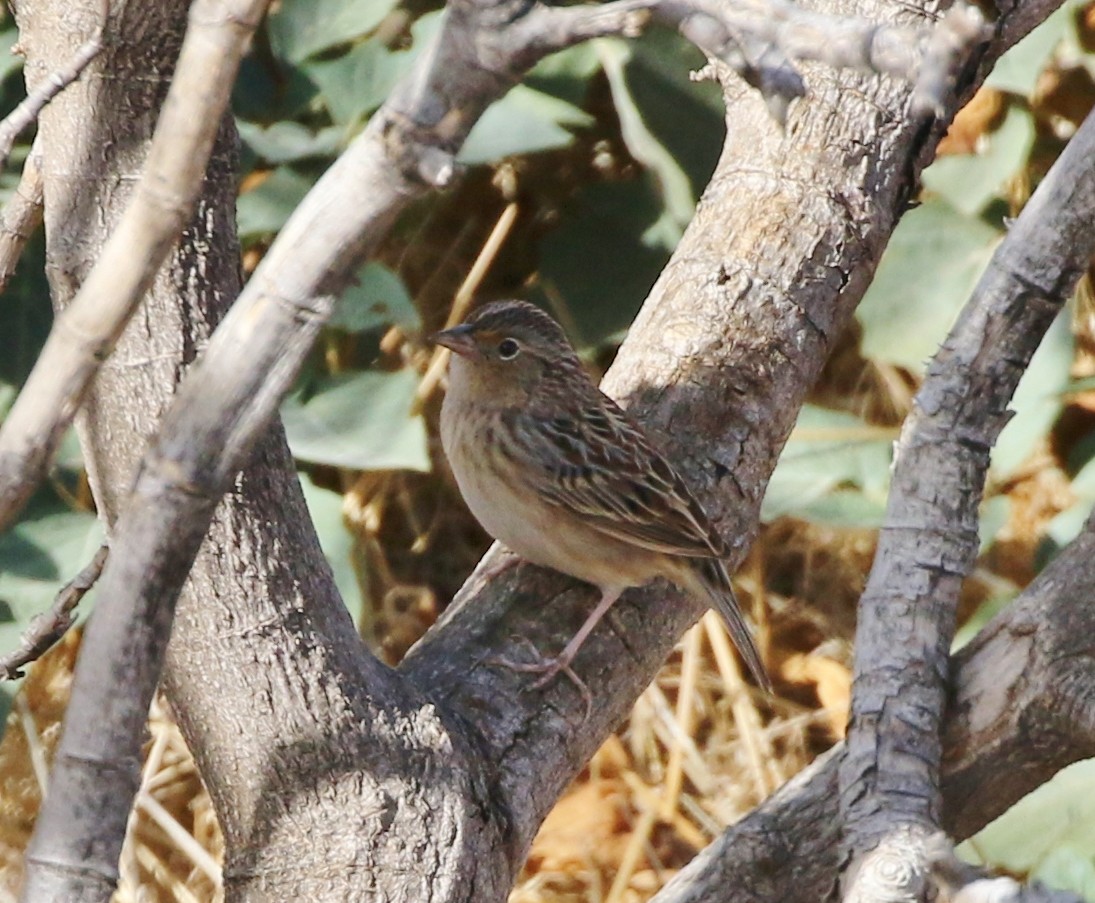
(968, 182)
(9, 62)
(38, 556)
(835, 469)
(1048, 835)
(1038, 400)
(376, 298)
(286, 142)
(25, 315)
(361, 421)
(615, 230)
(270, 90)
(930, 268)
(672, 181)
(566, 74)
(524, 121)
(303, 28)
(1017, 70)
(264, 209)
(336, 541)
(995, 513)
(685, 116)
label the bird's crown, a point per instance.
(521, 320)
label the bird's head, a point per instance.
(504, 350)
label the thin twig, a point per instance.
(84, 333)
(56, 82)
(22, 215)
(48, 627)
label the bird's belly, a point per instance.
(511, 512)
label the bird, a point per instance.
(561, 475)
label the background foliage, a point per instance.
(587, 175)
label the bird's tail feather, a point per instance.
(720, 596)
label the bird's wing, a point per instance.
(599, 466)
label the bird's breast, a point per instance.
(499, 489)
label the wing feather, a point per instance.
(598, 465)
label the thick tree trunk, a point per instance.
(265, 671)
(334, 777)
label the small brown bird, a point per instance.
(554, 469)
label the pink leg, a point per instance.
(504, 559)
(549, 668)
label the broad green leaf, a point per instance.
(303, 28)
(264, 209)
(1017, 70)
(7, 397)
(9, 62)
(269, 90)
(354, 84)
(968, 182)
(994, 516)
(566, 74)
(287, 142)
(525, 121)
(376, 298)
(38, 556)
(1048, 835)
(25, 315)
(611, 231)
(642, 143)
(361, 421)
(325, 507)
(835, 468)
(932, 264)
(686, 116)
(1038, 400)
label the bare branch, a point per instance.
(56, 82)
(48, 627)
(224, 406)
(1022, 711)
(84, 334)
(889, 777)
(22, 215)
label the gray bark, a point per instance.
(428, 783)
(1023, 708)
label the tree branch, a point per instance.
(889, 775)
(22, 215)
(28, 110)
(783, 320)
(47, 628)
(1022, 710)
(85, 332)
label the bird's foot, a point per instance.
(548, 669)
(502, 561)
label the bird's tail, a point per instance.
(715, 582)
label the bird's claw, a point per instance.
(548, 669)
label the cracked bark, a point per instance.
(296, 728)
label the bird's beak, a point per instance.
(458, 339)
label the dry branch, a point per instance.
(84, 334)
(1022, 710)
(28, 110)
(889, 777)
(22, 215)
(48, 627)
(224, 406)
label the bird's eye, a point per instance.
(507, 349)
